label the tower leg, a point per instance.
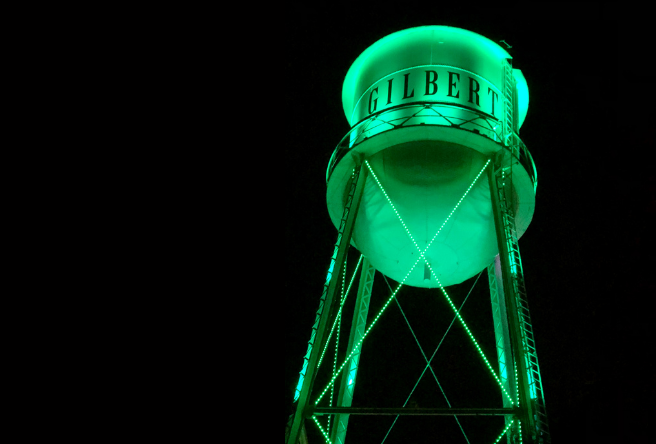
(358, 327)
(327, 302)
(505, 226)
(501, 333)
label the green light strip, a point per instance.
(422, 256)
(458, 204)
(445, 221)
(339, 314)
(521, 441)
(462, 321)
(504, 432)
(357, 347)
(366, 333)
(431, 360)
(391, 204)
(323, 432)
(339, 327)
(421, 349)
(517, 383)
(317, 320)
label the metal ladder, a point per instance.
(508, 106)
(526, 328)
(503, 177)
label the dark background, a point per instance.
(586, 253)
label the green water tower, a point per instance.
(432, 185)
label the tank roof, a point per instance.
(415, 46)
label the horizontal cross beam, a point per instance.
(321, 411)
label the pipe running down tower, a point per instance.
(432, 185)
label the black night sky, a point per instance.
(586, 275)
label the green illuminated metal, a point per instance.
(339, 314)
(471, 336)
(522, 96)
(431, 66)
(323, 432)
(422, 114)
(357, 347)
(382, 58)
(390, 202)
(422, 256)
(308, 372)
(404, 279)
(499, 316)
(406, 121)
(421, 349)
(504, 432)
(339, 326)
(508, 91)
(422, 253)
(507, 368)
(376, 411)
(358, 328)
(338, 256)
(517, 384)
(527, 370)
(430, 361)
(359, 342)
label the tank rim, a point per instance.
(380, 46)
(343, 167)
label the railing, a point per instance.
(526, 160)
(432, 114)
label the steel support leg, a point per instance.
(501, 333)
(526, 408)
(328, 300)
(358, 328)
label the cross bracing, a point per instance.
(502, 377)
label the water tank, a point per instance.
(428, 108)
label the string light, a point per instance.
(462, 321)
(422, 256)
(504, 432)
(339, 314)
(339, 327)
(458, 204)
(391, 204)
(357, 346)
(422, 253)
(323, 432)
(445, 221)
(517, 383)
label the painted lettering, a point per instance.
(494, 97)
(371, 111)
(474, 87)
(452, 84)
(431, 84)
(405, 88)
(389, 91)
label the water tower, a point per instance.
(432, 185)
